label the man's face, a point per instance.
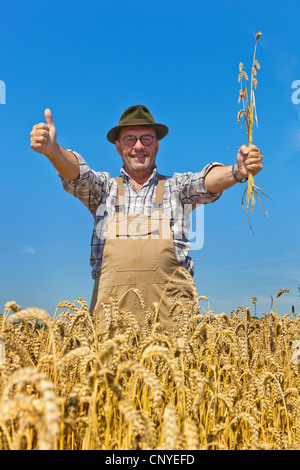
(139, 159)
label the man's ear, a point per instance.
(157, 146)
(118, 147)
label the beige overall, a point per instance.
(139, 253)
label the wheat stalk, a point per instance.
(227, 382)
(249, 114)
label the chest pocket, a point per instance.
(133, 243)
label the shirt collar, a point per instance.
(152, 178)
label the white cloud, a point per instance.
(267, 264)
(30, 250)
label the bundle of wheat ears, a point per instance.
(249, 114)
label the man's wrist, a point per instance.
(53, 154)
(235, 174)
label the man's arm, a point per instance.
(43, 140)
(220, 178)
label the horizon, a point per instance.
(88, 64)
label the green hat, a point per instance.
(137, 115)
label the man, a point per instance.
(139, 243)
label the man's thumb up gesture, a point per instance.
(43, 136)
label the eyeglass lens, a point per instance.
(130, 140)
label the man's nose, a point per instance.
(138, 144)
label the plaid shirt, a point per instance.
(98, 192)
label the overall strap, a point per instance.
(159, 192)
(120, 196)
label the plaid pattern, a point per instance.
(98, 192)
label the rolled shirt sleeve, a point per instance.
(89, 187)
(192, 188)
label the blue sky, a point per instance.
(88, 61)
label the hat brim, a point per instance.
(161, 130)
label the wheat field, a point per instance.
(223, 382)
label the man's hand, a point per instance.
(220, 178)
(248, 159)
(43, 136)
(43, 140)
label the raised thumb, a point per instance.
(48, 117)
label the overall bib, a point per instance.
(139, 253)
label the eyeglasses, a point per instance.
(131, 140)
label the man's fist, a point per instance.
(43, 136)
(249, 159)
